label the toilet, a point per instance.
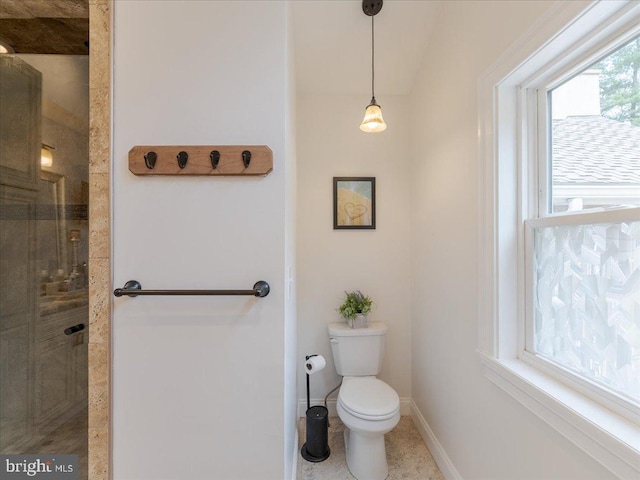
(367, 406)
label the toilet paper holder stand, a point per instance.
(316, 448)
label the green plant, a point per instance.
(355, 303)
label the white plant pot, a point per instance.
(361, 321)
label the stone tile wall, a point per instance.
(100, 240)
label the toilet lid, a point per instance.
(368, 398)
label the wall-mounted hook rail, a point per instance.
(201, 160)
(133, 288)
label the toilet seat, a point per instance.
(368, 398)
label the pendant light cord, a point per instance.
(372, 58)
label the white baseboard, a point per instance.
(405, 406)
(294, 462)
(439, 455)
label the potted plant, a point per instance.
(355, 309)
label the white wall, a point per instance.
(199, 383)
(329, 143)
(485, 433)
(290, 250)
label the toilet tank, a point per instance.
(357, 352)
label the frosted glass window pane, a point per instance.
(587, 302)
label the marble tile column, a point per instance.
(100, 240)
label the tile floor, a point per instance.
(407, 455)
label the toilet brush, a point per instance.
(316, 448)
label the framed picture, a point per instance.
(354, 202)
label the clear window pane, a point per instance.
(595, 134)
(587, 302)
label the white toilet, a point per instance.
(367, 406)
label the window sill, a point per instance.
(610, 439)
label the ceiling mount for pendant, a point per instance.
(371, 7)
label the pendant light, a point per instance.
(373, 121)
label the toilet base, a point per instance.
(366, 455)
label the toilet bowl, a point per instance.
(368, 408)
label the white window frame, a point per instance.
(559, 44)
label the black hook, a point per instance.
(371, 7)
(150, 159)
(182, 159)
(215, 158)
(246, 158)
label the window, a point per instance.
(583, 243)
(595, 134)
(559, 306)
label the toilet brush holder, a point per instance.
(316, 449)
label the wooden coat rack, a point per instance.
(201, 160)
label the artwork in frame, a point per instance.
(354, 203)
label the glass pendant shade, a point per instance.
(373, 121)
(46, 157)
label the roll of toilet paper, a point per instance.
(314, 364)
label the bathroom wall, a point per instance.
(484, 432)
(290, 256)
(378, 262)
(202, 386)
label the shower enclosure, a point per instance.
(44, 171)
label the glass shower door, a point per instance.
(43, 256)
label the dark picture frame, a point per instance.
(354, 203)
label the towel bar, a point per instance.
(133, 288)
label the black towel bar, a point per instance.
(133, 288)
